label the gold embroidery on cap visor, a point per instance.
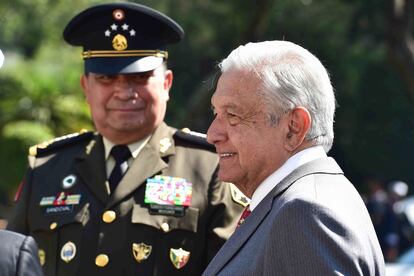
(128, 53)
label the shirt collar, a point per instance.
(134, 148)
(290, 165)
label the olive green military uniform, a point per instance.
(81, 229)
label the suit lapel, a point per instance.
(91, 168)
(239, 238)
(148, 163)
(247, 229)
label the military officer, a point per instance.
(137, 197)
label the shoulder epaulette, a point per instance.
(56, 143)
(195, 138)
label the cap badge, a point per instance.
(119, 32)
(119, 42)
(68, 181)
(68, 252)
(141, 251)
(179, 257)
(118, 14)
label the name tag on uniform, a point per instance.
(167, 195)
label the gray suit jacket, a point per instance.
(312, 223)
(18, 255)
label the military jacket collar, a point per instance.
(150, 161)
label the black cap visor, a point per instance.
(122, 65)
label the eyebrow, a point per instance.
(226, 107)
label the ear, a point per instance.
(299, 123)
(84, 84)
(168, 80)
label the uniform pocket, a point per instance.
(156, 238)
(59, 240)
(187, 222)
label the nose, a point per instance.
(216, 131)
(125, 89)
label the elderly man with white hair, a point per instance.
(274, 111)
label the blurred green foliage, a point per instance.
(40, 97)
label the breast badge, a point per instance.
(179, 257)
(141, 251)
(42, 257)
(68, 252)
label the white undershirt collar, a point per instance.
(290, 165)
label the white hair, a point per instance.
(290, 76)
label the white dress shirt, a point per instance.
(134, 148)
(290, 165)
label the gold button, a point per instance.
(53, 226)
(109, 216)
(165, 227)
(101, 260)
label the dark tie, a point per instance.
(121, 154)
(244, 215)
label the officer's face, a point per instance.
(250, 148)
(127, 107)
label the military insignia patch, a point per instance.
(179, 257)
(120, 33)
(165, 144)
(238, 196)
(119, 42)
(118, 14)
(68, 181)
(68, 252)
(42, 257)
(141, 251)
(61, 204)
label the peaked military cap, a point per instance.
(121, 38)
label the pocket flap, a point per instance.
(187, 222)
(52, 222)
